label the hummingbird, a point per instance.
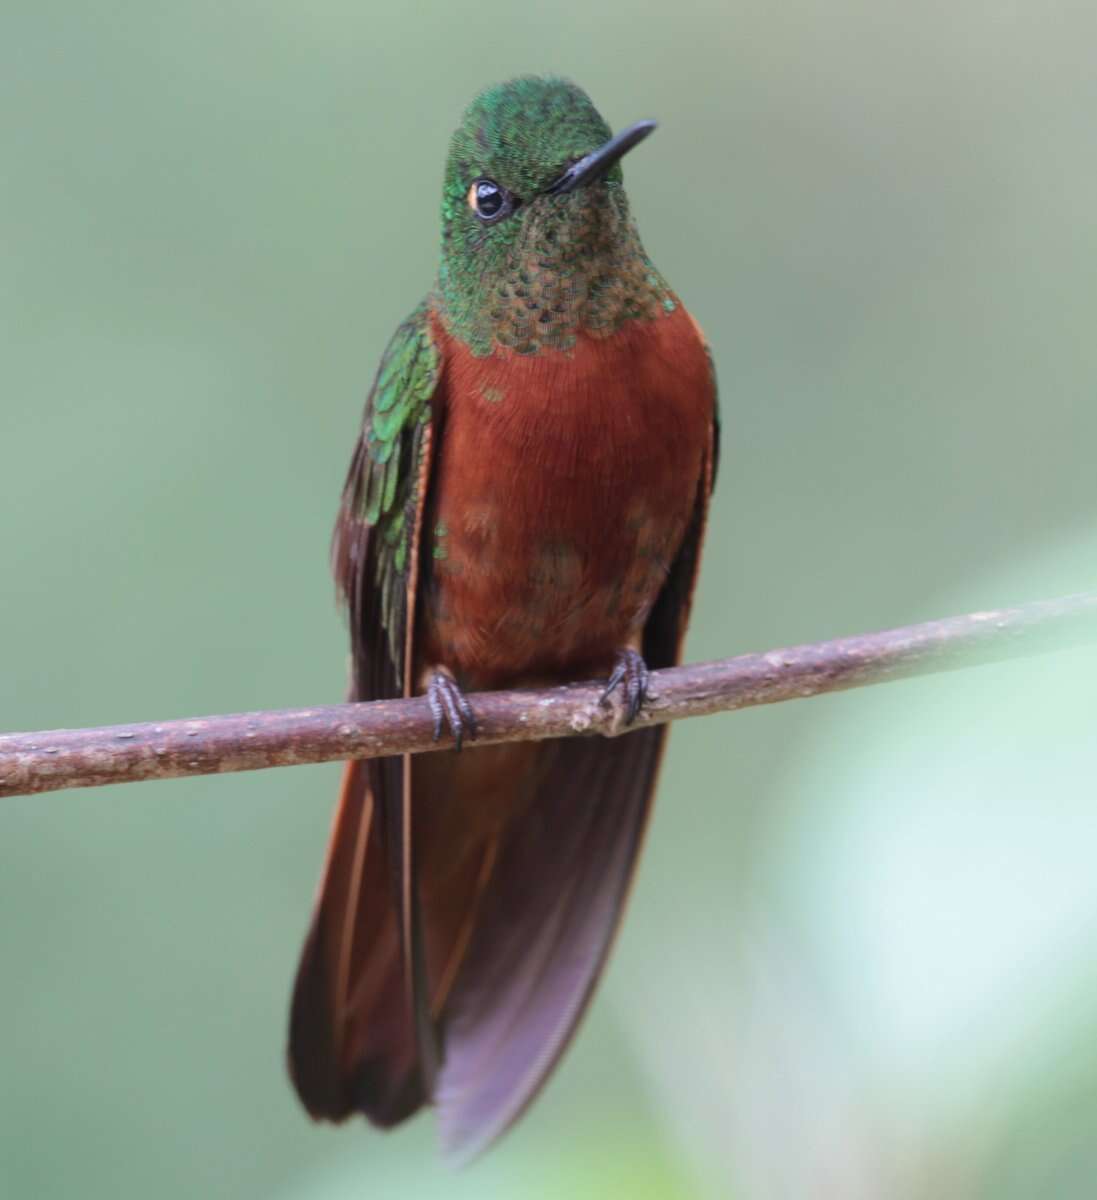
(525, 506)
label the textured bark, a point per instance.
(50, 760)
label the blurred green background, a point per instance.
(860, 960)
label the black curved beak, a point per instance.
(595, 164)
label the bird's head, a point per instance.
(537, 241)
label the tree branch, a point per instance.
(48, 761)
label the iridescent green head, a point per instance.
(537, 242)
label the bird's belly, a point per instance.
(527, 589)
(560, 500)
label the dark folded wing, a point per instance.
(353, 1042)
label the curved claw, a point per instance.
(448, 706)
(630, 672)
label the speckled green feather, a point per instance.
(380, 498)
(559, 263)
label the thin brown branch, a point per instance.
(48, 761)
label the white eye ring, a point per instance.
(489, 200)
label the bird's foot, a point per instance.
(630, 674)
(448, 706)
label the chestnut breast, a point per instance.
(561, 488)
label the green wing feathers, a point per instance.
(372, 548)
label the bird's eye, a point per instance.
(490, 201)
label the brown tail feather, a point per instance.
(360, 1038)
(352, 1043)
(523, 856)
